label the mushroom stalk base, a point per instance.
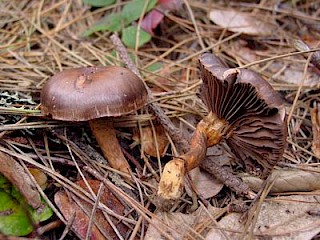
(209, 132)
(106, 137)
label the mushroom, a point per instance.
(91, 94)
(245, 111)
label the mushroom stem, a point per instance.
(209, 132)
(106, 137)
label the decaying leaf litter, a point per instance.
(39, 39)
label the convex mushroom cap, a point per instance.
(91, 93)
(86, 93)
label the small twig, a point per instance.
(123, 54)
(165, 121)
(48, 227)
(93, 212)
(230, 180)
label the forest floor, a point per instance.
(277, 39)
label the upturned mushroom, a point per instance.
(245, 111)
(92, 94)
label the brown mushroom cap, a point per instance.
(86, 93)
(254, 111)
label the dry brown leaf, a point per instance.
(287, 181)
(241, 22)
(70, 209)
(315, 119)
(149, 141)
(220, 155)
(204, 183)
(293, 74)
(40, 177)
(14, 172)
(181, 225)
(293, 217)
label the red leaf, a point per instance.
(151, 21)
(153, 18)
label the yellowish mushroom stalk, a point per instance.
(105, 135)
(209, 132)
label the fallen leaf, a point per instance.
(151, 21)
(241, 22)
(129, 36)
(207, 185)
(204, 183)
(287, 181)
(181, 226)
(154, 17)
(17, 218)
(293, 217)
(70, 209)
(114, 22)
(293, 74)
(220, 155)
(40, 177)
(14, 172)
(150, 142)
(155, 67)
(133, 9)
(110, 22)
(13, 219)
(99, 3)
(80, 224)
(315, 119)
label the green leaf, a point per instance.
(38, 216)
(43, 215)
(129, 37)
(114, 22)
(155, 67)
(111, 22)
(16, 214)
(13, 218)
(133, 10)
(4, 184)
(99, 3)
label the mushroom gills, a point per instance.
(257, 131)
(245, 111)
